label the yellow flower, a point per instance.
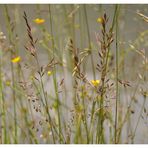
(16, 59)
(95, 82)
(39, 21)
(49, 73)
(8, 83)
(100, 20)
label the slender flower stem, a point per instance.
(117, 89)
(46, 103)
(54, 78)
(134, 133)
(12, 71)
(3, 132)
(89, 41)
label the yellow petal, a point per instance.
(39, 21)
(49, 73)
(100, 20)
(16, 59)
(95, 82)
(8, 83)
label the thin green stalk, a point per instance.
(2, 107)
(14, 101)
(81, 29)
(46, 103)
(85, 120)
(103, 75)
(73, 26)
(89, 41)
(101, 103)
(82, 34)
(54, 78)
(91, 120)
(117, 89)
(144, 102)
(78, 129)
(100, 132)
(12, 70)
(134, 133)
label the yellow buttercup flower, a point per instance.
(39, 21)
(100, 20)
(95, 82)
(16, 59)
(8, 83)
(49, 73)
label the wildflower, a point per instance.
(49, 73)
(100, 20)
(8, 83)
(95, 82)
(39, 21)
(16, 59)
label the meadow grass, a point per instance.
(59, 84)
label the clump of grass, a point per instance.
(58, 102)
(44, 101)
